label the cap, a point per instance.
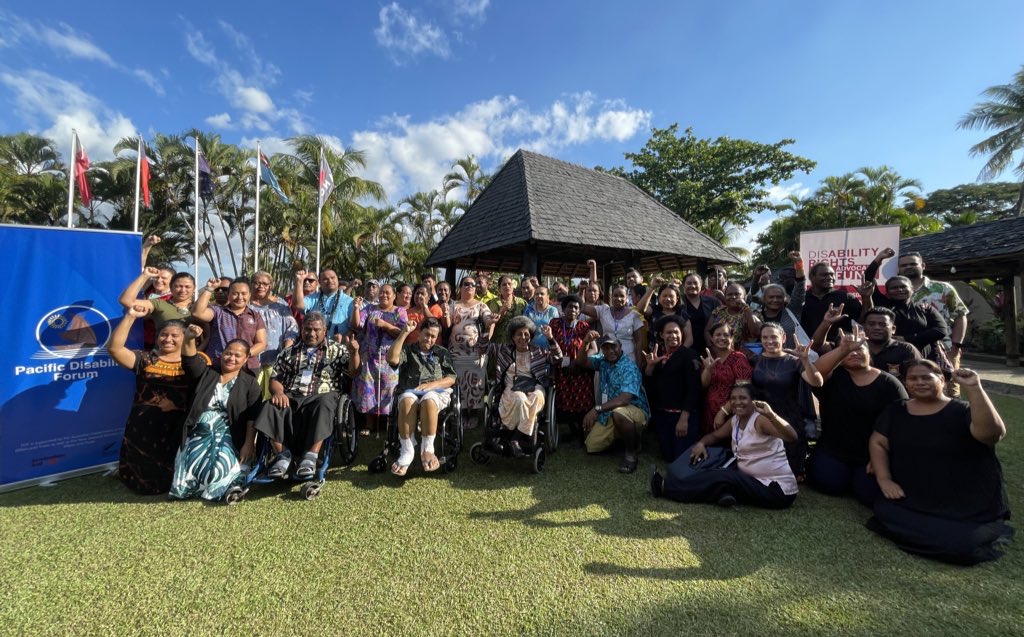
(607, 339)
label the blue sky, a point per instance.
(419, 84)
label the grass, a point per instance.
(494, 550)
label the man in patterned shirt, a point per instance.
(622, 411)
(305, 390)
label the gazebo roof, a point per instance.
(568, 214)
(983, 250)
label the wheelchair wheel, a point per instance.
(451, 464)
(345, 434)
(234, 495)
(553, 434)
(478, 455)
(310, 490)
(539, 456)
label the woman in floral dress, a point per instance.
(471, 319)
(574, 386)
(373, 389)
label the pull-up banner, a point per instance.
(63, 400)
(850, 250)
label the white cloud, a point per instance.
(14, 30)
(471, 8)
(44, 99)
(253, 99)
(221, 120)
(777, 194)
(249, 91)
(407, 156)
(405, 36)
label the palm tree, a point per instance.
(882, 186)
(1004, 112)
(467, 174)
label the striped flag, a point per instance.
(81, 165)
(268, 176)
(326, 179)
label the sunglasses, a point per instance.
(469, 284)
(310, 280)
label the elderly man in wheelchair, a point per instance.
(426, 376)
(306, 387)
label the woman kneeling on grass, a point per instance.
(935, 460)
(219, 433)
(760, 476)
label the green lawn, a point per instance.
(485, 551)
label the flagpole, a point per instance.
(256, 234)
(319, 217)
(71, 177)
(195, 223)
(138, 183)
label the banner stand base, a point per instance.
(51, 480)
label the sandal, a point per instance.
(306, 470)
(431, 463)
(365, 433)
(399, 469)
(628, 465)
(280, 466)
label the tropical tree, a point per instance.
(1003, 112)
(467, 174)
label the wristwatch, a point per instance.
(597, 408)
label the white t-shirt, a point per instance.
(622, 328)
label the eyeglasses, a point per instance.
(310, 280)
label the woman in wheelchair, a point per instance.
(522, 373)
(426, 376)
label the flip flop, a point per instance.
(399, 469)
(365, 433)
(431, 463)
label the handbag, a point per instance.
(524, 384)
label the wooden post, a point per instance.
(530, 262)
(702, 267)
(449, 276)
(1010, 310)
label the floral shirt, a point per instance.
(622, 376)
(307, 371)
(943, 297)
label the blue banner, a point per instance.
(63, 400)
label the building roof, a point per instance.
(569, 214)
(981, 250)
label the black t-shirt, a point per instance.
(814, 312)
(675, 384)
(892, 357)
(943, 470)
(849, 413)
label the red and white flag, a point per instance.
(326, 180)
(81, 165)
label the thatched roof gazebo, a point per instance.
(993, 250)
(543, 216)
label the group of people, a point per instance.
(750, 388)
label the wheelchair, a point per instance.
(545, 437)
(449, 436)
(344, 439)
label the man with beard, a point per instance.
(887, 354)
(329, 301)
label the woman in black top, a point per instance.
(674, 389)
(853, 396)
(698, 307)
(936, 464)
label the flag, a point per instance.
(205, 178)
(82, 165)
(144, 173)
(267, 176)
(326, 180)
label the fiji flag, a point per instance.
(267, 176)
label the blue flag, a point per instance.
(205, 178)
(268, 177)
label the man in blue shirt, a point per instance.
(622, 411)
(330, 301)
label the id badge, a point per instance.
(307, 376)
(565, 362)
